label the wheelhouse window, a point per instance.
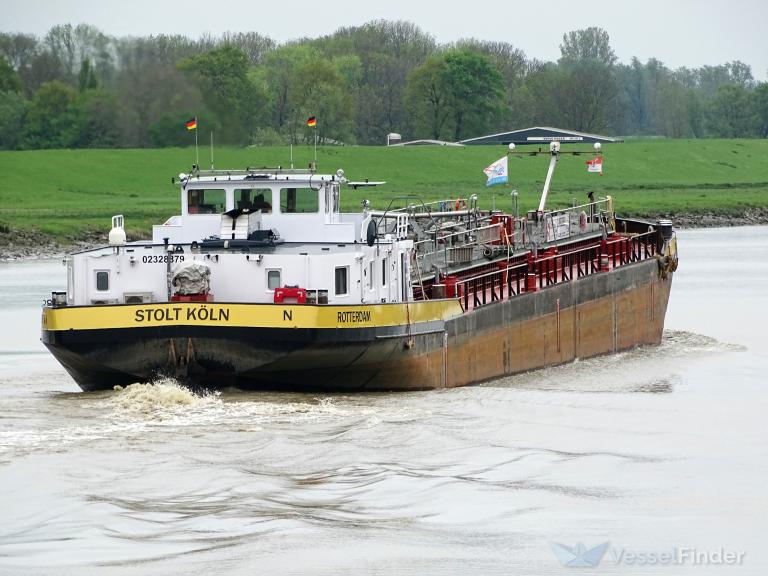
(206, 201)
(102, 280)
(254, 199)
(341, 278)
(273, 279)
(299, 201)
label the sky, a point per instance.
(678, 32)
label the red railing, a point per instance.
(552, 267)
(492, 286)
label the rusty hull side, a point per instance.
(597, 314)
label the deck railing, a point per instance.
(450, 247)
(454, 247)
(493, 286)
(550, 268)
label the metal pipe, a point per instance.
(393, 214)
(514, 199)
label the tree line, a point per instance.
(77, 87)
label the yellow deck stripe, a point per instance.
(246, 315)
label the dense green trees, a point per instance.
(515, 106)
(302, 83)
(52, 117)
(761, 109)
(475, 90)
(230, 93)
(586, 84)
(428, 99)
(453, 95)
(731, 112)
(77, 87)
(591, 44)
(9, 79)
(12, 106)
(719, 101)
(12, 110)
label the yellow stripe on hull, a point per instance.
(247, 315)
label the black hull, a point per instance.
(250, 359)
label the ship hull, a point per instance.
(598, 314)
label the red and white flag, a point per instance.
(595, 165)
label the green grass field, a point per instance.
(64, 193)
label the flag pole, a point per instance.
(315, 148)
(509, 149)
(211, 149)
(197, 152)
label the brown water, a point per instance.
(650, 450)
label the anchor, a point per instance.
(179, 364)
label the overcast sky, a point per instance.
(677, 32)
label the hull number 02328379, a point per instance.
(162, 258)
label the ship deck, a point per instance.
(506, 279)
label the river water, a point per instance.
(655, 451)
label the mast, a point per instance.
(554, 149)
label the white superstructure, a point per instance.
(258, 231)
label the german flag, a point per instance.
(191, 124)
(311, 121)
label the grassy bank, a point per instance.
(66, 193)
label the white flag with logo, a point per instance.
(497, 172)
(595, 165)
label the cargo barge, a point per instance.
(261, 282)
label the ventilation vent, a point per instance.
(137, 297)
